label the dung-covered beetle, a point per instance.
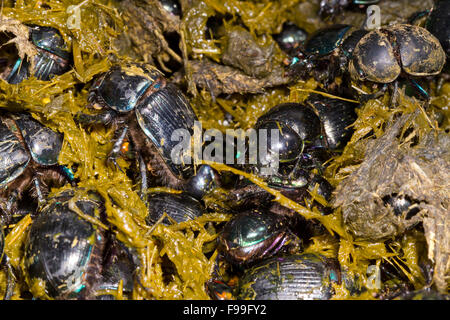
(326, 53)
(63, 251)
(378, 56)
(53, 57)
(382, 55)
(309, 134)
(68, 256)
(29, 155)
(437, 22)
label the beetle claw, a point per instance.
(112, 162)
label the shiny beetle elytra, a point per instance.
(28, 157)
(292, 277)
(178, 206)
(254, 235)
(142, 105)
(63, 250)
(378, 56)
(309, 134)
(53, 57)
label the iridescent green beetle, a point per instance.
(256, 234)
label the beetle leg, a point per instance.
(394, 94)
(37, 187)
(105, 118)
(39, 66)
(115, 152)
(420, 89)
(9, 209)
(366, 97)
(143, 173)
(45, 75)
(11, 279)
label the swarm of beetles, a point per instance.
(93, 205)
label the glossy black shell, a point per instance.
(350, 42)
(121, 88)
(333, 7)
(299, 128)
(374, 59)
(178, 206)
(159, 116)
(336, 116)
(53, 57)
(382, 54)
(252, 235)
(14, 157)
(49, 39)
(205, 180)
(63, 250)
(41, 144)
(326, 40)
(160, 108)
(438, 23)
(293, 277)
(290, 37)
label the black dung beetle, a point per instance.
(53, 57)
(290, 37)
(28, 156)
(178, 206)
(139, 101)
(326, 53)
(381, 55)
(254, 235)
(308, 132)
(65, 253)
(378, 56)
(291, 277)
(333, 7)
